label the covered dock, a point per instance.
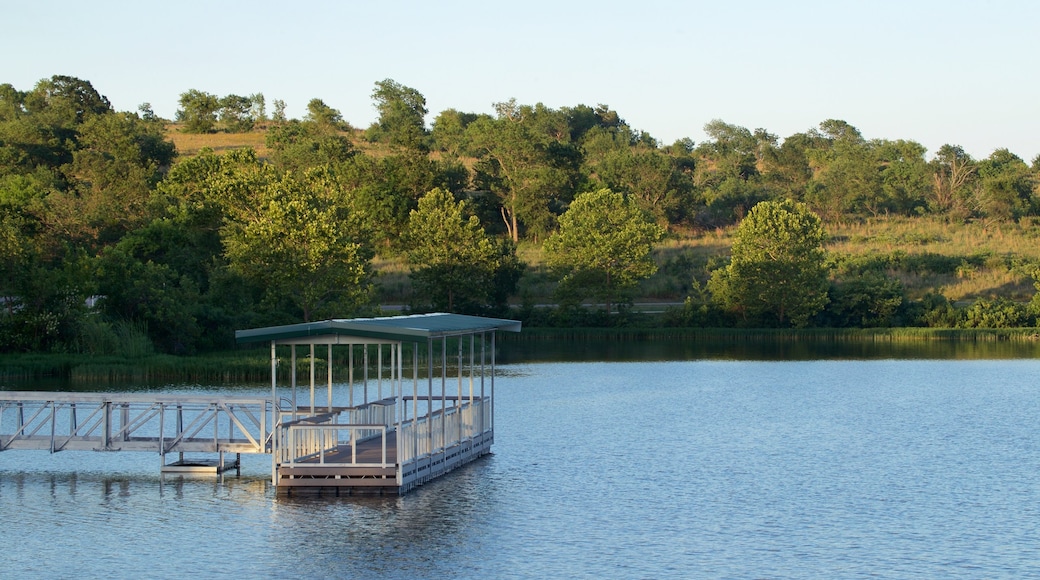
(387, 403)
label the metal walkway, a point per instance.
(60, 421)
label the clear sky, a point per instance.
(937, 72)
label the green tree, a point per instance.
(299, 145)
(603, 247)
(728, 171)
(1004, 188)
(454, 262)
(402, 116)
(777, 271)
(279, 111)
(305, 243)
(258, 107)
(526, 159)
(904, 177)
(449, 132)
(652, 178)
(323, 116)
(198, 111)
(236, 113)
(69, 99)
(846, 178)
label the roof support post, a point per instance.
(312, 378)
(329, 364)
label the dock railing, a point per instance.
(441, 429)
(305, 438)
(300, 438)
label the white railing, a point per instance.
(378, 413)
(441, 430)
(310, 444)
(300, 439)
(58, 421)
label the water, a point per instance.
(692, 468)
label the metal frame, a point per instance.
(59, 421)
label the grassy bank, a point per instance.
(220, 368)
(253, 365)
(734, 335)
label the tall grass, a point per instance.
(779, 335)
(222, 368)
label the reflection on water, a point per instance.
(629, 469)
(564, 350)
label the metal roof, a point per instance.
(411, 328)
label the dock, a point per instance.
(419, 403)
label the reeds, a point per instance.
(778, 335)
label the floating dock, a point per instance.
(420, 402)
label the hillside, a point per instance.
(927, 254)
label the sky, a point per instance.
(936, 72)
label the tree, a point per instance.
(279, 111)
(527, 160)
(118, 163)
(952, 172)
(402, 116)
(777, 269)
(449, 131)
(728, 173)
(198, 111)
(69, 97)
(258, 107)
(1004, 188)
(603, 247)
(651, 178)
(299, 145)
(846, 177)
(305, 243)
(454, 261)
(904, 176)
(324, 116)
(236, 113)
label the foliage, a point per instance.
(198, 111)
(402, 116)
(456, 266)
(867, 299)
(303, 239)
(603, 248)
(236, 113)
(998, 313)
(299, 145)
(525, 157)
(324, 117)
(109, 240)
(777, 272)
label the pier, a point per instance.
(419, 402)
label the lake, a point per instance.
(698, 467)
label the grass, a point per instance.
(778, 335)
(189, 144)
(228, 367)
(252, 366)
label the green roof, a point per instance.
(412, 328)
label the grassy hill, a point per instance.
(962, 261)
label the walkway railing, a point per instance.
(58, 421)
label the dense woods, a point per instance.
(112, 240)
